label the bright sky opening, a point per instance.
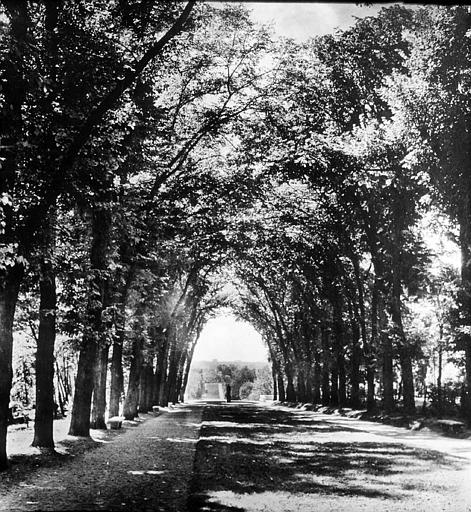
(301, 21)
(227, 339)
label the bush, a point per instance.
(451, 391)
(245, 390)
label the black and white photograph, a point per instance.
(235, 256)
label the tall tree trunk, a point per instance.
(290, 392)
(407, 378)
(355, 360)
(326, 362)
(84, 382)
(301, 383)
(172, 373)
(99, 388)
(316, 390)
(150, 386)
(116, 370)
(117, 377)
(465, 246)
(388, 373)
(373, 346)
(44, 413)
(163, 383)
(159, 367)
(145, 386)
(143, 390)
(281, 387)
(178, 394)
(11, 126)
(274, 370)
(367, 348)
(275, 385)
(132, 396)
(440, 370)
(339, 350)
(310, 377)
(9, 289)
(186, 374)
(80, 418)
(404, 349)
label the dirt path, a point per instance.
(146, 468)
(251, 457)
(258, 458)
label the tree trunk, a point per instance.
(440, 369)
(80, 419)
(150, 386)
(9, 289)
(316, 391)
(117, 378)
(281, 387)
(116, 370)
(465, 246)
(373, 346)
(339, 351)
(290, 392)
(145, 387)
(407, 379)
(143, 390)
(132, 396)
(99, 389)
(44, 413)
(61, 390)
(11, 121)
(93, 335)
(388, 374)
(178, 393)
(162, 381)
(301, 384)
(172, 373)
(355, 364)
(157, 376)
(310, 384)
(367, 348)
(404, 350)
(325, 376)
(186, 374)
(275, 386)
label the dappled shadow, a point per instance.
(26, 465)
(249, 449)
(203, 502)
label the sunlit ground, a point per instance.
(260, 459)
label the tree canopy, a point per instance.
(161, 161)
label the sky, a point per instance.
(227, 339)
(303, 20)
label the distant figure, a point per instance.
(228, 392)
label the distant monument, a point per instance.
(213, 391)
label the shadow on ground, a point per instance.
(245, 449)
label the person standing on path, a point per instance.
(228, 392)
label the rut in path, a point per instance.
(146, 468)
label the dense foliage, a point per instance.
(160, 161)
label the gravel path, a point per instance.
(148, 467)
(274, 459)
(241, 456)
